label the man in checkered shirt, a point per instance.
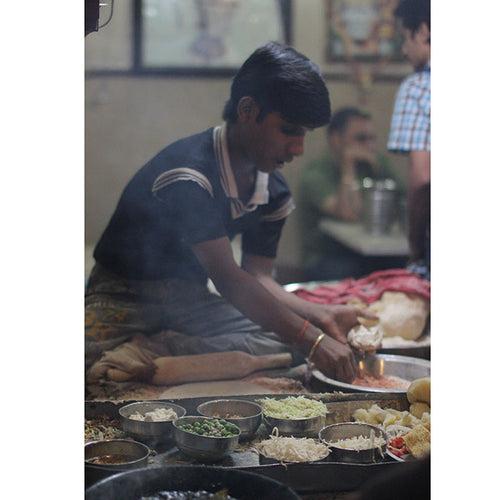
(410, 126)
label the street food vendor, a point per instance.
(173, 224)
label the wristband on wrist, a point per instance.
(302, 331)
(321, 336)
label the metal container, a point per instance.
(180, 478)
(203, 448)
(381, 364)
(303, 427)
(249, 414)
(148, 430)
(137, 453)
(379, 205)
(348, 430)
(403, 215)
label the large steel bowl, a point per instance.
(345, 430)
(381, 364)
(249, 414)
(148, 430)
(177, 478)
(203, 448)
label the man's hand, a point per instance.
(337, 320)
(354, 154)
(335, 360)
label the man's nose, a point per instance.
(296, 147)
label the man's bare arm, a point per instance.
(253, 300)
(336, 321)
(244, 291)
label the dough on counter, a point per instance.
(418, 408)
(420, 390)
(368, 322)
(401, 314)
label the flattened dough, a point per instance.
(401, 314)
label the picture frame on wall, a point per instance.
(363, 31)
(203, 37)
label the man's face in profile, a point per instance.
(416, 46)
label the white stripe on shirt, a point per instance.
(181, 174)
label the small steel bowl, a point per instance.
(203, 448)
(136, 453)
(345, 430)
(148, 430)
(300, 427)
(249, 414)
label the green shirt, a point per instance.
(319, 180)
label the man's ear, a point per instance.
(247, 109)
(424, 33)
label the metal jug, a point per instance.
(379, 205)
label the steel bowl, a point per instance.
(148, 430)
(346, 430)
(300, 427)
(249, 414)
(203, 448)
(404, 367)
(137, 453)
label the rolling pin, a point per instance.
(214, 366)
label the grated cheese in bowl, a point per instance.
(157, 415)
(290, 449)
(359, 443)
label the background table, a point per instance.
(354, 236)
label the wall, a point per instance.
(129, 119)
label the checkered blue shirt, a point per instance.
(411, 119)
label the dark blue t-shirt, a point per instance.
(185, 195)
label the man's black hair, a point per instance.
(282, 80)
(413, 13)
(340, 119)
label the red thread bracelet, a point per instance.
(302, 331)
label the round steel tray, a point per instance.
(389, 364)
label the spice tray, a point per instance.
(312, 477)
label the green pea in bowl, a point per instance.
(206, 439)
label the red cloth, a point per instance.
(368, 289)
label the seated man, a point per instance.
(172, 228)
(330, 187)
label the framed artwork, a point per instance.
(363, 30)
(205, 36)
